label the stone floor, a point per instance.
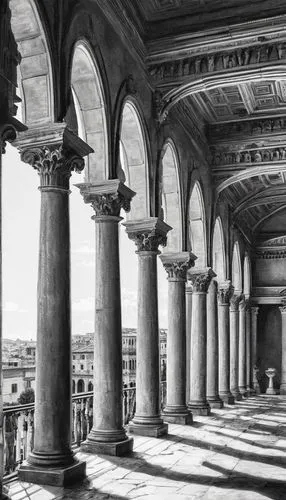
(238, 452)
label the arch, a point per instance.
(247, 276)
(197, 225)
(90, 386)
(219, 259)
(80, 385)
(171, 196)
(236, 269)
(35, 76)
(73, 387)
(90, 109)
(133, 164)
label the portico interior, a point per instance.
(174, 111)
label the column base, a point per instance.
(236, 394)
(199, 408)
(215, 402)
(178, 418)
(271, 391)
(152, 430)
(60, 476)
(116, 449)
(227, 398)
(243, 391)
(282, 389)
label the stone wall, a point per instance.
(269, 344)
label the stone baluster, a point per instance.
(224, 294)
(283, 348)
(107, 435)
(201, 279)
(176, 265)
(234, 338)
(54, 152)
(212, 348)
(254, 314)
(189, 298)
(19, 437)
(148, 234)
(242, 349)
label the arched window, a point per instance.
(90, 386)
(236, 269)
(197, 226)
(80, 386)
(219, 261)
(171, 197)
(73, 387)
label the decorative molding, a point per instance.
(201, 279)
(225, 291)
(226, 132)
(177, 264)
(107, 198)
(249, 156)
(148, 234)
(270, 253)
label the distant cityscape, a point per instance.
(19, 363)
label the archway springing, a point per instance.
(219, 261)
(90, 108)
(171, 197)
(133, 160)
(236, 269)
(197, 226)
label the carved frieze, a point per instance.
(249, 156)
(247, 128)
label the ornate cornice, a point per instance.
(249, 156)
(201, 279)
(177, 265)
(270, 253)
(224, 293)
(148, 234)
(107, 198)
(248, 129)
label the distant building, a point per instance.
(17, 380)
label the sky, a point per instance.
(20, 216)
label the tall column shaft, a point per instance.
(107, 434)
(248, 348)
(198, 402)
(254, 314)
(283, 350)
(176, 266)
(234, 338)
(148, 234)
(242, 349)
(189, 299)
(224, 294)
(212, 348)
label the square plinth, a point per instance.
(180, 419)
(204, 411)
(113, 449)
(60, 476)
(228, 399)
(218, 403)
(148, 430)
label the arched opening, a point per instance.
(73, 387)
(133, 165)
(171, 197)
(197, 226)
(80, 386)
(247, 276)
(90, 109)
(90, 386)
(236, 269)
(219, 261)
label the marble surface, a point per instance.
(239, 452)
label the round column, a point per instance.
(283, 350)
(234, 334)
(249, 388)
(189, 299)
(176, 266)
(198, 404)
(148, 235)
(242, 350)
(107, 435)
(212, 348)
(254, 314)
(224, 294)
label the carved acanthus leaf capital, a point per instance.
(242, 303)
(234, 302)
(107, 198)
(148, 234)
(177, 264)
(225, 291)
(201, 279)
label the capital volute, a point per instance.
(177, 264)
(148, 234)
(201, 279)
(107, 198)
(225, 291)
(54, 151)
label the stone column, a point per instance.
(249, 388)
(254, 314)
(107, 435)
(224, 294)
(201, 279)
(189, 298)
(176, 265)
(148, 234)
(242, 349)
(212, 348)
(54, 152)
(283, 350)
(234, 334)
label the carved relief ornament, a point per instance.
(177, 265)
(201, 279)
(234, 302)
(107, 198)
(249, 156)
(148, 234)
(224, 293)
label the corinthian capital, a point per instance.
(201, 279)
(225, 291)
(234, 302)
(107, 197)
(177, 264)
(148, 234)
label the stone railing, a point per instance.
(18, 424)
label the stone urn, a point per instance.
(270, 372)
